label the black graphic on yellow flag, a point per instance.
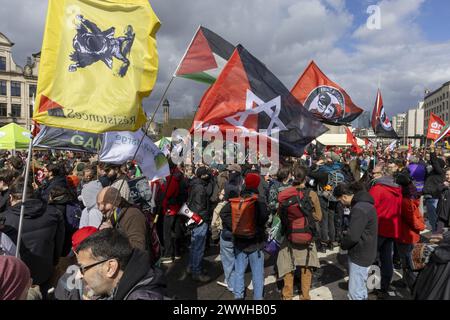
(98, 61)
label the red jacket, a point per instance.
(412, 222)
(388, 203)
(172, 184)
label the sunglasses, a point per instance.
(83, 269)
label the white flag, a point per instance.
(119, 147)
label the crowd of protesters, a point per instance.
(88, 233)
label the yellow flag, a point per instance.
(98, 61)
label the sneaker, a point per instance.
(201, 278)
(166, 260)
(177, 257)
(222, 284)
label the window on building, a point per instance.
(2, 87)
(32, 90)
(31, 110)
(3, 109)
(15, 89)
(2, 64)
(16, 110)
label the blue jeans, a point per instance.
(432, 213)
(227, 258)
(357, 282)
(256, 259)
(386, 256)
(198, 239)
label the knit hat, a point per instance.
(252, 181)
(81, 234)
(14, 278)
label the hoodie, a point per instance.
(361, 237)
(140, 281)
(91, 216)
(42, 236)
(388, 203)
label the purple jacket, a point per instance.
(418, 172)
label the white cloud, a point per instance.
(285, 35)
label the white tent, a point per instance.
(337, 139)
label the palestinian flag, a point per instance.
(444, 132)
(205, 57)
(247, 97)
(324, 98)
(351, 139)
(381, 124)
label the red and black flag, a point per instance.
(205, 57)
(381, 124)
(250, 98)
(324, 98)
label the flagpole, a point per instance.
(159, 105)
(22, 206)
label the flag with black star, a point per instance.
(250, 98)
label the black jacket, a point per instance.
(140, 281)
(433, 282)
(4, 200)
(361, 237)
(42, 236)
(198, 200)
(443, 207)
(435, 178)
(227, 224)
(261, 216)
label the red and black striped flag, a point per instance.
(247, 96)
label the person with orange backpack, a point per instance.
(249, 215)
(300, 212)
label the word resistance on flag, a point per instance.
(205, 57)
(324, 98)
(98, 61)
(248, 97)
(381, 124)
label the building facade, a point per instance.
(17, 86)
(437, 102)
(415, 125)
(398, 123)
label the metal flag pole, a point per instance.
(24, 195)
(147, 127)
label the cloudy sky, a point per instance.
(411, 51)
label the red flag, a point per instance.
(352, 140)
(324, 98)
(381, 124)
(435, 126)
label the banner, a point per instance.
(98, 61)
(435, 126)
(119, 147)
(64, 139)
